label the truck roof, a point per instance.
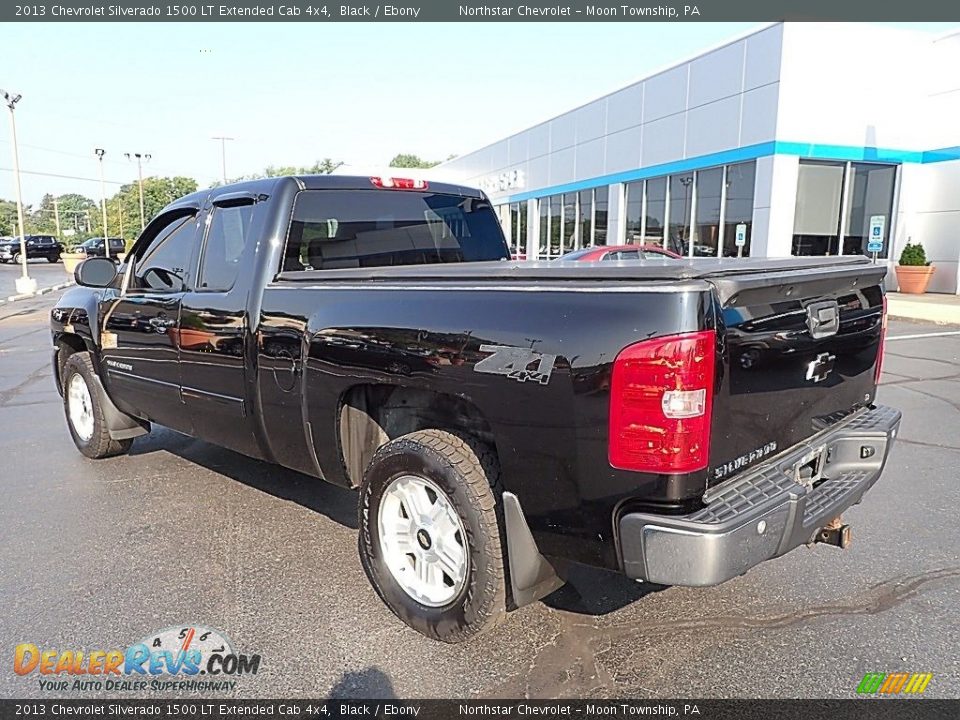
(315, 182)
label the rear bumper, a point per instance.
(762, 513)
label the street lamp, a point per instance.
(100, 152)
(25, 284)
(223, 154)
(141, 158)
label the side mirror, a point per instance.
(97, 272)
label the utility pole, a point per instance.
(120, 218)
(141, 158)
(100, 152)
(223, 154)
(24, 284)
(56, 217)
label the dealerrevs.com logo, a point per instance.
(187, 657)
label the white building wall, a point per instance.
(722, 100)
(785, 93)
(774, 204)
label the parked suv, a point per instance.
(38, 246)
(94, 247)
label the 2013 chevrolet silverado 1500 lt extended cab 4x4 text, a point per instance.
(677, 421)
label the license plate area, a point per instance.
(809, 469)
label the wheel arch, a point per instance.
(370, 415)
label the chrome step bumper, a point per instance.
(764, 512)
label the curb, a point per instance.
(40, 291)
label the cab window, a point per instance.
(163, 264)
(228, 230)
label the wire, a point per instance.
(65, 177)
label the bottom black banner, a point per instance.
(887, 709)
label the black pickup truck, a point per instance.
(676, 421)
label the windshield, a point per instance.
(375, 228)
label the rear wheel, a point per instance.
(85, 418)
(53, 257)
(430, 537)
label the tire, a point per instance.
(53, 258)
(16, 258)
(466, 476)
(85, 419)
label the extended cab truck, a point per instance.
(676, 421)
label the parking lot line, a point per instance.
(917, 336)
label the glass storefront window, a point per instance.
(816, 225)
(555, 226)
(518, 223)
(544, 209)
(681, 199)
(739, 210)
(585, 231)
(601, 202)
(871, 193)
(569, 223)
(632, 215)
(706, 229)
(656, 211)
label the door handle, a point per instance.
(162, 324)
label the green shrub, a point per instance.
(913, 254)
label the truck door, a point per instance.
(139, 342)
(214, 326)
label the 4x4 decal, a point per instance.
(519, 364)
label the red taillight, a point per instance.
(661, 397)
(883, 338)
(389, 183)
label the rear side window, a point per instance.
(375, 228)
(227, 237)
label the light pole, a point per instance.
(56, 217)
(223, 154)
(25, 284)
(100, 152)
(141, 158)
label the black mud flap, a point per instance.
(531, 576)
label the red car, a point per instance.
(619, 252)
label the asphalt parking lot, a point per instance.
(45, 273)
(100, 554)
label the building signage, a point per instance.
(875, 239)
(741, 237)
(508, 180)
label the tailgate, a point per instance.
(800, 350)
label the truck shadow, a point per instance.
(592, 591)
(371, 683)
(589, 591)
(335, 502)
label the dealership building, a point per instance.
(795, 139)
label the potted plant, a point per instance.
(914, 270)
(71, 257)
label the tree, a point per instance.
(8, 218)
(73, 209)
(406, 160)
(123, 207)
(320, 167)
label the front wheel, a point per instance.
(430, 538)
(85, 418)
(16, 258)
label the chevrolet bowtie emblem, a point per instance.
(820, 367)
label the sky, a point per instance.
(291, 94)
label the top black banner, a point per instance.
(453, 10)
